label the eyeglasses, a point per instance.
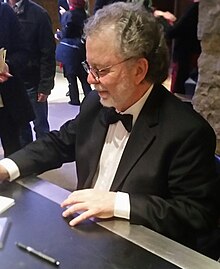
(97, 73)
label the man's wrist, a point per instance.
(122, 205)
(4, 175)
(8, 170)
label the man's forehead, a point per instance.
(98, 50)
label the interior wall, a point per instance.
(51, 7)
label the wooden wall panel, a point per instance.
(51, 7)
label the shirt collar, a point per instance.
(18, 4)
(136, 108)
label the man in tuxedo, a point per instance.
(155, 166)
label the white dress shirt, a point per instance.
(115, 142)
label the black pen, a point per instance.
(38, 254)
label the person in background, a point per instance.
(63, 6)
(101, 3)
(141, 154)
(70, 50)
(39, 72)
(164, 17)
(15, 107)
(186, 49)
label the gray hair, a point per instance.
(138, 35)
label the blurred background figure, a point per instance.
(186, 48)
(15, 108)
(63, 6)
(39, 73)
(101, 3)
(71, 49)
(165, 18)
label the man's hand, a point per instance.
(5, 75)
(42, 97)
(93, 203)
(62, 10)
(3, 173)
(56, 35)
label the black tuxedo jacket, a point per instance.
(167, 166)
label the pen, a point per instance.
(38, 253)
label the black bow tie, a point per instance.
(111, 116)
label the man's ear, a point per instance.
(141, 70)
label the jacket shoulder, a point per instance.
(179, 113)
(36, 8)
(91, 102)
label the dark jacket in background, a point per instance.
(186, 47)
(71, 51)
(64, 4)
(13, 94)
(40, 69)
(184, 31)
(72, 23)
(101, 3)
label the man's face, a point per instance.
(115, 86)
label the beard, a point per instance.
(117, 95)
(118, 100)
(106, 103)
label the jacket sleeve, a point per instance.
(48, 152)
(17, 51)
(47, 57)
(192, 203)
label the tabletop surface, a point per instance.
(36, 221)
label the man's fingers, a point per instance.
(86, 213)
(69, 201)
(78, 196)
(75, 208)
(84, 216)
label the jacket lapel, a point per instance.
(141, 138)
(96, 148)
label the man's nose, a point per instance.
(92, 79)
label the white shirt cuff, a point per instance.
(122, 205)
(11, 167)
